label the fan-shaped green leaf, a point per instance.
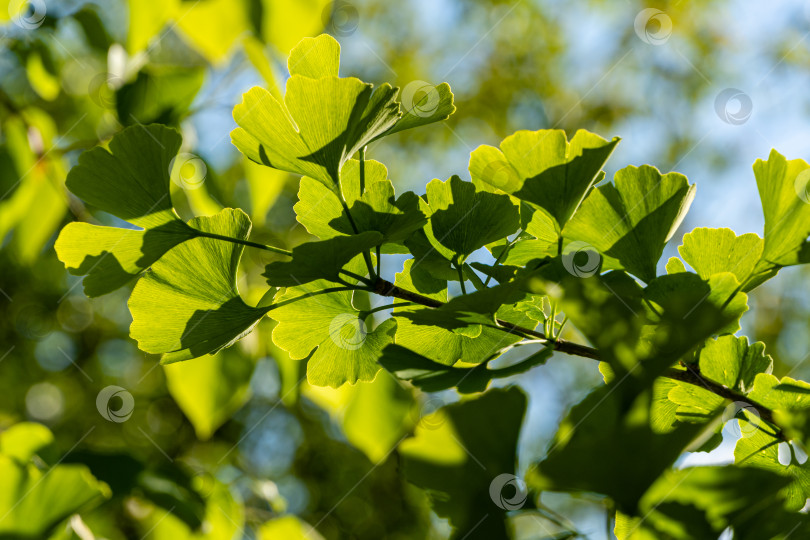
(732, 362)
(321, 124)
(757, 448)
(633, 219)
(422, 105)
(188, 304)
(710, 251)
(33, 501)
(375, 209)
(463, 219)
(543, 168)
(329, 330)
(210, 389)
(131, 182)
(782, 188)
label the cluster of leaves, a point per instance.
(565, 246)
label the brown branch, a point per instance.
(689, 376)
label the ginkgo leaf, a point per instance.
(188, 304)
(710, 251)
(372, 209)
(131, 182)
(315, 57)
(633, 219)
(211, 389)
(463, 219)
(732, 362)
(423, 104)
(33, 501)
(466, 469)
(323, 120)
(319, 260)
(329, 330)
(333, 118)
(543, 168)
(443, 345)
(782, 186)
(756, 448)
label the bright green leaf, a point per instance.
(732, 362)
(329, 330)
(210, 389)
(131, 181)
(188, 304)
(633, 219)
(543, 168)
(463, 219)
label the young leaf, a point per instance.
(375, 209)
(711, 251)
(458, 462)
(329, 330)
(782, 188)
(319, 260)
(543, 168)
(131, 182)
(760, 450)
(422, 106)
(463, 219)
(732, 362)
(633, 219)
(188, 304)
(321, 124)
